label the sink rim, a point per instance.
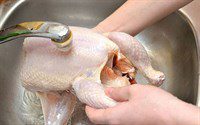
(197, 42)
(190, 15)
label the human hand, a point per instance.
(135, 15)
(144, 105)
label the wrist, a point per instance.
(104, 27)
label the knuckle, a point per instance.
(114, 122)
(91, 117)
(101, 118)
(111, 118)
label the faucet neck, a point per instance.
(57, 32)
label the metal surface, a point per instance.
(6, 9)
(191, 13)
(60, 34)
(171, 43)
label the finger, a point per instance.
(97, 116)
(98, 29)
(106, 34)
(119, 94)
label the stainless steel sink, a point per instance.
(171, 43)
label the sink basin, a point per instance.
(170, 43)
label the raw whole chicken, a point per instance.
(93, 62)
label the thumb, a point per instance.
(119, 94)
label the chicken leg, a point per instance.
(134, 51)
(57, 106)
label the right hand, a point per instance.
(144, 105)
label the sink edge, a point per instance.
(190, 12)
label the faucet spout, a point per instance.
(59, 34)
